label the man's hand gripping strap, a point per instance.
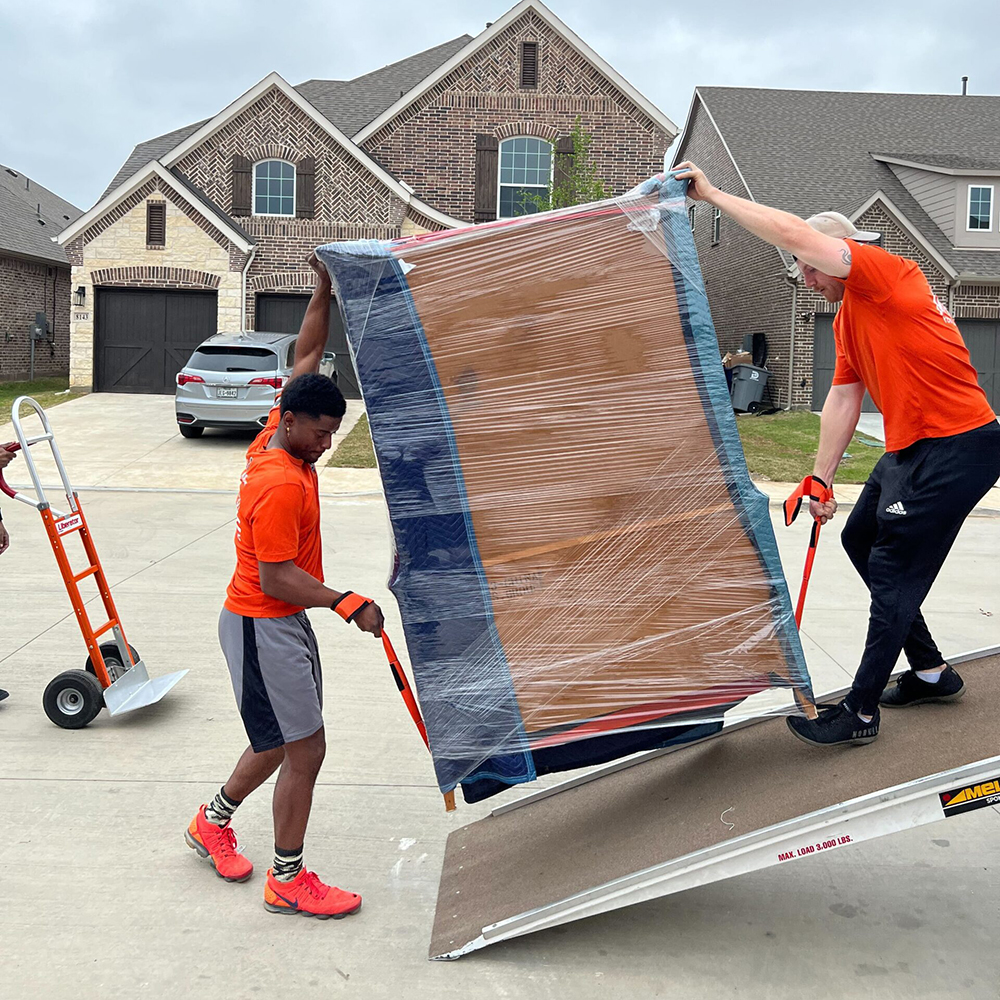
(812, 487)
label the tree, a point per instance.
(576, 181)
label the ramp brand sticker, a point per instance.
(68, 524)
(961, 800)
(807, 849)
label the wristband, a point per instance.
(349, 604)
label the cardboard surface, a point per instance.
(671, 806)
(620, 575)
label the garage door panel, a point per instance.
(144, 337)
(284, 314)
(825, 362)
(982, 337)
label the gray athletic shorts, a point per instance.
(277, 678)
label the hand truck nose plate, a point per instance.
(134, 689)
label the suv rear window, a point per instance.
(234, 359)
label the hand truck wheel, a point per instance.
(109, 650)
(73, 699)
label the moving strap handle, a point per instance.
(814, 488)
(399, 676)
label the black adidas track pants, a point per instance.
(898, 535)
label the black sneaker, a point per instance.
(836, 726)
(3, 694)
(909, 689)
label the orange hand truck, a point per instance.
(115, 677)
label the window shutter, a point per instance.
(242, 185)
(156, 223)
(305, 188)
(564, 161)
(529, 64)
(487, 177)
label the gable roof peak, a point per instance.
(493, 29)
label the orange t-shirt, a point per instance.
(894, 335)
(277, 519)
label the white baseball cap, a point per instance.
(840, 226)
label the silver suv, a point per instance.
(232, 379)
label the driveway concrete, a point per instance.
(123, 440)
(872, 425)
(101, 899)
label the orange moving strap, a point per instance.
(349, 604)
(812, 487)
(404, 687)
(399, 676)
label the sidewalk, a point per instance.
(848, 494)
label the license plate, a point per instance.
(226, 393)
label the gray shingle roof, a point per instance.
(806, 151)
(151, 149)
(205, 200)
(30, 215)
(349, 104)
(352, 104)
(951, 161)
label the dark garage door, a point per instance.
(982, 337)
(145, 337)
(283, 314)
(824, 361)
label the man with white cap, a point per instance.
(896, 339)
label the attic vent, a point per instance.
(529, 64)
(13, 173)
(156, 223)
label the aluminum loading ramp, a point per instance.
(750, 797)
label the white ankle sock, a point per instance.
(864, 718)
(930, 676)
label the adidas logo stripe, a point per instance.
(895, 508)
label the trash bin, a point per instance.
(748, 386)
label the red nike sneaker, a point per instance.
(218, 844)
(305, 894)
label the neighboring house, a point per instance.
(923, 170)
(208, 228)
(34, 277)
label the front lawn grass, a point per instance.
(782, 447)
(48, 392)
(355, 451)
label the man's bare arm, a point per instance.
(315, 327)
(836, 428)
(781, 229)
(284, 581)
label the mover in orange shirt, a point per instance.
(942, 440)
(266, 636)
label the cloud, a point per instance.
(88, 79)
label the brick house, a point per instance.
(34, 277)
(920, 169)
(208, 228)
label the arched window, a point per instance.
(525, 169)
(273, 188)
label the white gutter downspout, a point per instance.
(952, 288)
(243, 288)
(791, 342)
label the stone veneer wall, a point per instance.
(119, 256)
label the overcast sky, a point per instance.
(85, 80)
